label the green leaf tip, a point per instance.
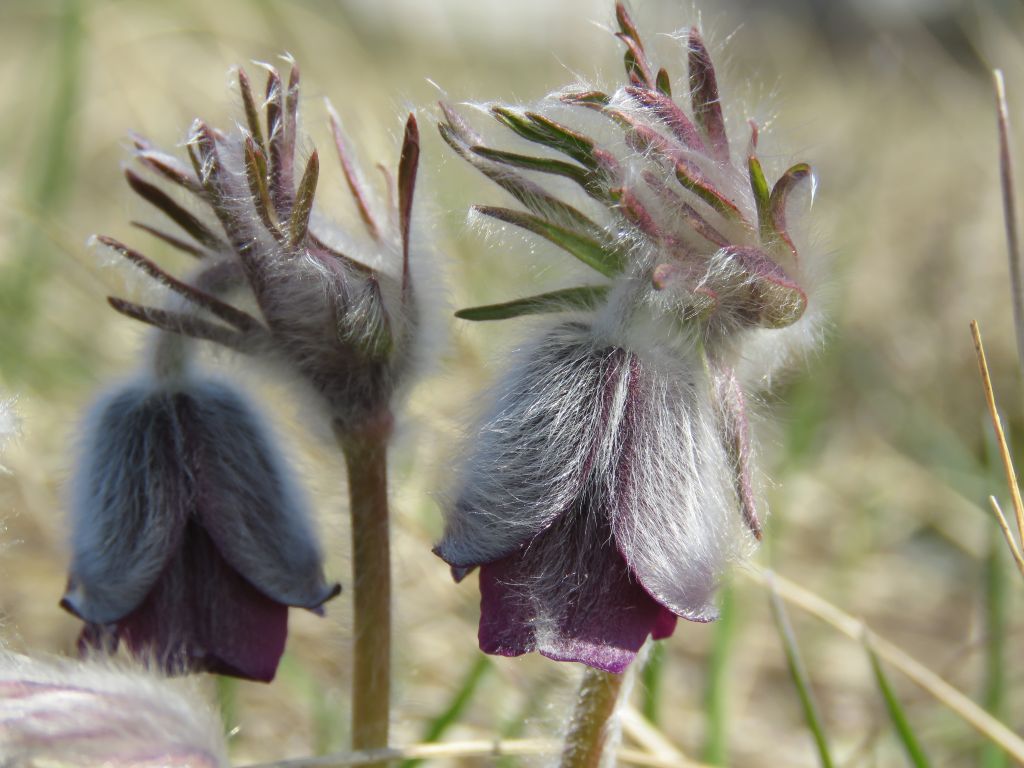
(585, 297)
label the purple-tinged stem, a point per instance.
(591, 720)
(366, 461)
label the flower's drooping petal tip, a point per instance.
(569, 595)
(249, 504)
(130, 496)
(534, 449)
(88, 714)
(665, 625)
(674, 515)
(204, 616)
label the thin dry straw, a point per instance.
(1010, 210)
(970, 712)
(1007, 534)
(997, 424)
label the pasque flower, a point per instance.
(190, 540)
(609, 484)
(341, 313)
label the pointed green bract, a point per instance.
(256, 176)
(408, 164)
(605, 259)
(585, 297)
(299, 224)
(541, 130)
(252, 113)
(704, 97)
(691, 177)
(662, 83)
(183, 218)
(593, 99)
(533, 196)
(780, 194)
(759, 186)
(589, 181)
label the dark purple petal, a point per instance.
(569, 595)
(202, 616)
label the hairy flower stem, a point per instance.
(589, 729)
(366, 461)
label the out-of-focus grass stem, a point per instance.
(896, 657)
(915, 753)
(1006, 175)
(716, 702)
(1004, 527)
(651, 676)
(798, 672)
(996, 674)
(450, 715)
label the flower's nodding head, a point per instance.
(610, 484)
(189, 538)
(341, 311)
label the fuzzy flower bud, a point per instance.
(89, 715)
(610, 483)
(189, 538)
(346, 323)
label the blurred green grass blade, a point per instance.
(915, 753)
(716, 704)
(799, 674)
(48, 184)
(996, 596)
(997, 605)
(651, 676)
(327, 728)
(582, 298)
(450, 715)
(227, 702)
(515, 726)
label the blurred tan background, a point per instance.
(876, 453)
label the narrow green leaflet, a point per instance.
(604, 258)
(762, 195)
(582, 298)
(522, 189)
(543, 164)
(542, 130)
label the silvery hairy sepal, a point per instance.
(610, 483)
(189, 537)
(342, 314)
(89, 714)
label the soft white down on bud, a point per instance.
(86, 714)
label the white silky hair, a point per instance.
(96, 714)
(581, 412)
(142, 473)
